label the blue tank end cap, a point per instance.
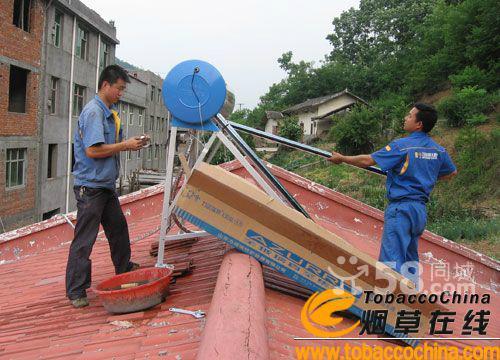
(194, 91)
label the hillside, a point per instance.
(454, 212)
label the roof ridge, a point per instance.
(239, 290)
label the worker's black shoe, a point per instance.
(80, 302)
(133, 266)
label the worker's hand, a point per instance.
(146, 139)
(134, 143)
(336, 158)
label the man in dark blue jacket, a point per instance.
(413, 164)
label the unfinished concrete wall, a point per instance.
(132, 109)
(157, 122)
(56, 122)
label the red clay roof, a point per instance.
(36, 320)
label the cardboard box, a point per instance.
(245, 217)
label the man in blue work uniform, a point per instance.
(413, 165)
(98, 142)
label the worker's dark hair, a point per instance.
(426, 114)
(111, 74)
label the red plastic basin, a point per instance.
(151, 293)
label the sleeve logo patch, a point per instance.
(388, 148)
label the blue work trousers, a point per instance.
(404, 223)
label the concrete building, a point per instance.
(51, 56)
(131, 110)
(142, 112)
(77, 44)
(157, 122)
(21, 29)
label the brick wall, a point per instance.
(14, 201)
(23, 49)
(17, 43)
(19, 124)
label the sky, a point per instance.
(242, 39)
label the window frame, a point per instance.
(76, 97)
(104, 55)
(17, 71)
(57, 29)
(130, 115)
(8, 170)
(123, 112)
(151, 123)
(82, 35)
(52, 161)
(23, 16)
(54, 87)
(139, 116)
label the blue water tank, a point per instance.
(194, 91)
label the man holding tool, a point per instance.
(413, 165)
(97, 145)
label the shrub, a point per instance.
(393, 108)
(289, 128)
(463, 105)
(357, 131)
(471, 76)
(478, 162)
(477, 119)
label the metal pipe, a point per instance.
(70, 115)
(165, 221)
(98, 63)
(293, 144)
(227, 127)
(67, 220)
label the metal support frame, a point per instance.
(228, 129)
(239, 156)
(294, 144)
(165, 216)
(168, 206)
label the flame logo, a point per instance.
(317, 314)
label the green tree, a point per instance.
(289, 128)
(472, 76)
(376, 31)
(357, 131)
(298, 82)
(463, 104)
(241, 117)
(452, 37)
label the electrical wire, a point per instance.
(195, 71)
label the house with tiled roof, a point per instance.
(271, 119)
(315, 115)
